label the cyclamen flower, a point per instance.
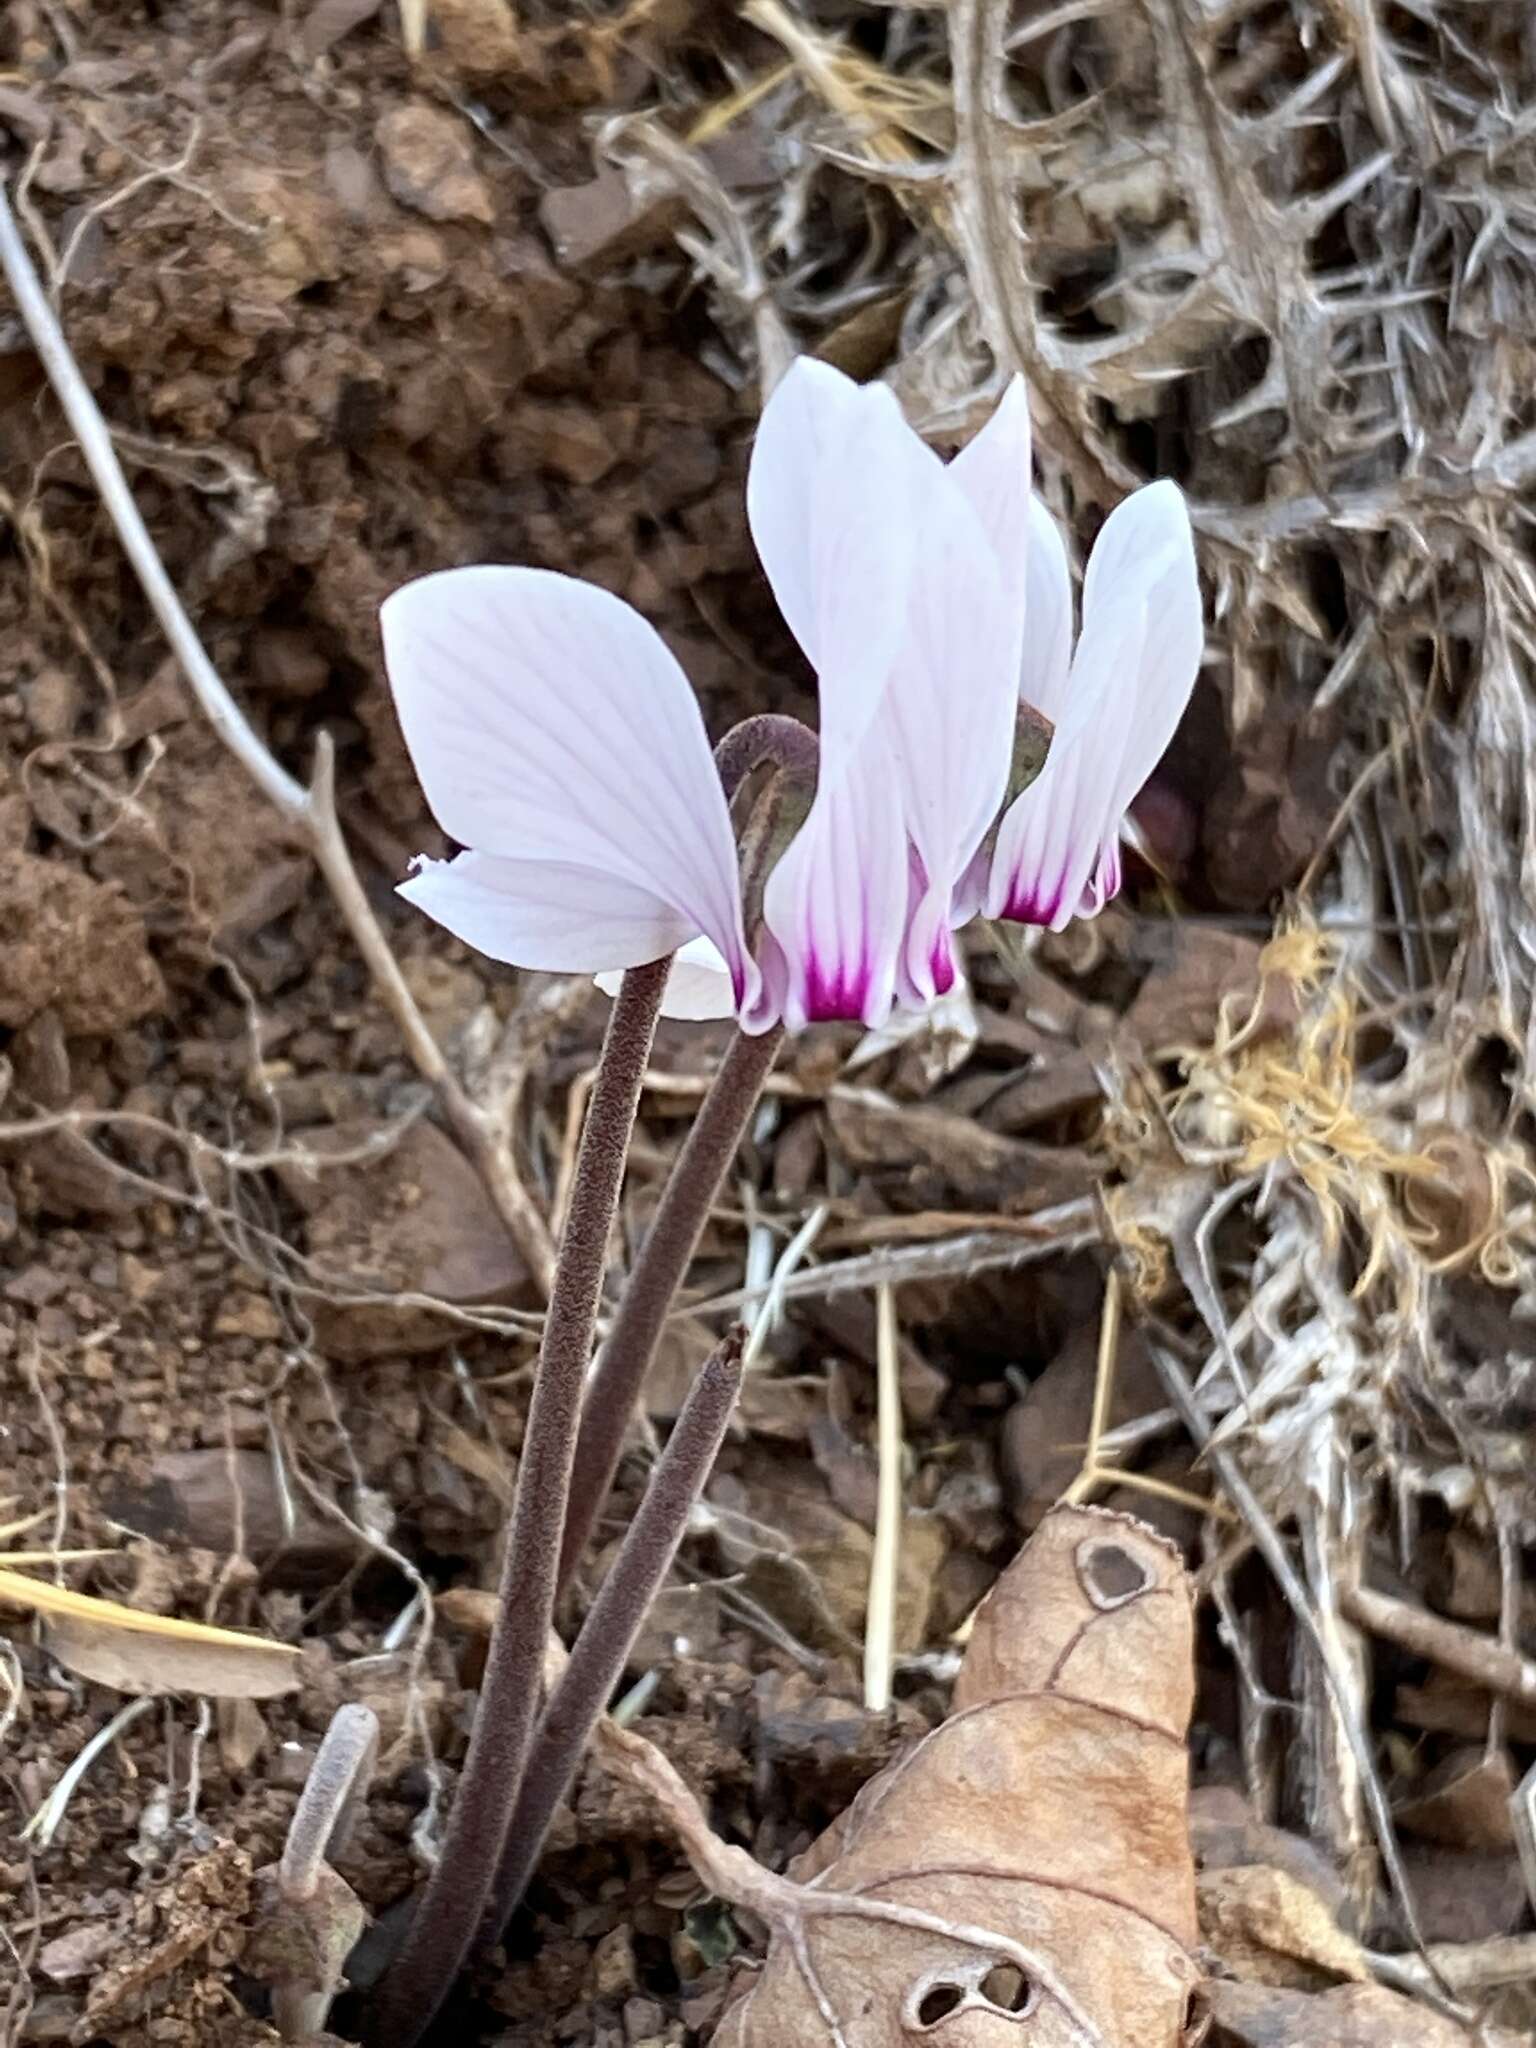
(558, 740)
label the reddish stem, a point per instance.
(659, 1271)
(443, 1926)
(608, 1634)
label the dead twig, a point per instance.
(1466, 1651)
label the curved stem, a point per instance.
(608, 1634)
(336, 1787)
(659, 1271)
(768, 736)
(454, 1902)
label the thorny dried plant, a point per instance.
(1285, 253)
(1313, 1203)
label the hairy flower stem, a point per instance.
(455, 1899)
(608, 1634)
(659, 1271)
(333, 1793)
(769, 737)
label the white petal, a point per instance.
(1143, 631)
(1043, 678)
(551, 915)
(993, 469)
(1050, 841)
(833, 495)
(1057, 853)
(836, 904)
(950, 710)
(698, 987)
(548, 721)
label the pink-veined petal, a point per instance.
(1057, 854)
(933, 945)
(549, 722)
(835, 906)
(993, 470)
(834, 493)
(545, 914)
(949, 711)
(1142, 592)
(1049, 842)
(698, 987)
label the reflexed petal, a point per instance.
(1057, 854)
(834, 493)
(548, 722)
(698, 987)
(545, 914)
(835, 905)
(1043, 679)
(949, 712)
(993, 469)
(1051, 842)
(1143, 631)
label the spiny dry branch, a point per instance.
(1284, 254)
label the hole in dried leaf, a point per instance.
(1113, 1575)
(979, 1985)
(938, 2002)
(1007, 1988)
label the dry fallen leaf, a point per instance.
(1031, 1857)
(1269, 1928)
(135, 1652)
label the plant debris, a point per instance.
(1223, 1198)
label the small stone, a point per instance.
(565, 438)
(73, 944)
(290, 1766)
(429, 164)
(601, 223)
(223, 1501)
(247, 1315)
(415, 1221)
(53, 703)
(79, 1951)
(287, 664)
(614, 1974)
(242, 1733)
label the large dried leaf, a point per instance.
(1030, 1859)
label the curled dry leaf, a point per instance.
(1030, 1859)
(1270, 1928)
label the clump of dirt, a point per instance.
(75, 946)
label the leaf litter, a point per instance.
(1283, 258)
